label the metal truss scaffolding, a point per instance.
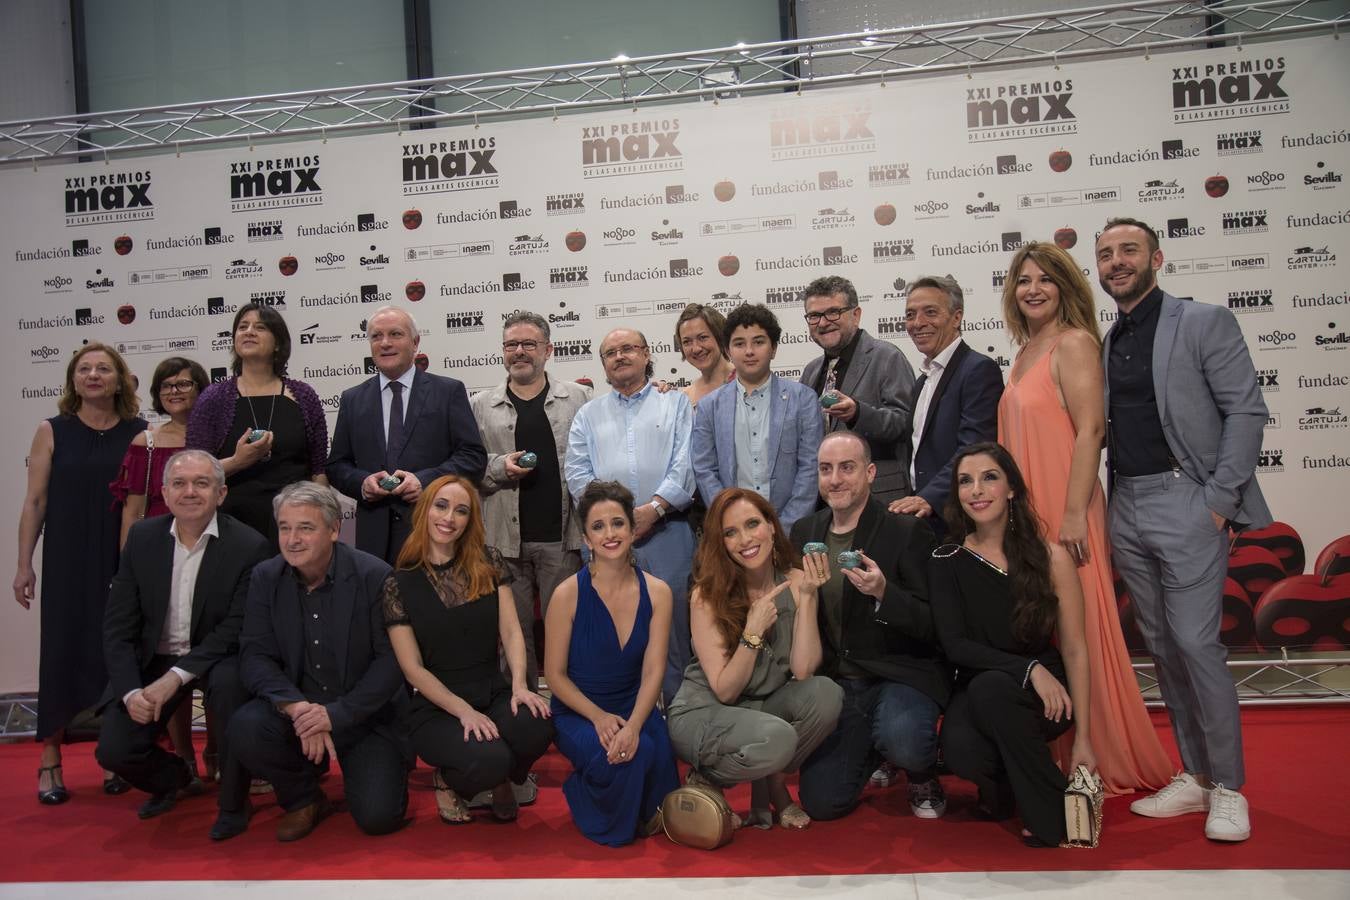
(1143, 28)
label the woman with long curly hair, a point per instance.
(1052, 419)
(447, 605)
(751, 708)
(608, 629)
(1002, 596)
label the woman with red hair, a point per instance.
(751, 708)
(446, 606)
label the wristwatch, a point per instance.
(753, 641)
(660, 510)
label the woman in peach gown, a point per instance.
(1052, 420)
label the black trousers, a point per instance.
(132, 750)
(374, 767)
(995, 734)
(471, 766)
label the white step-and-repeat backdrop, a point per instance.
(1236, 156)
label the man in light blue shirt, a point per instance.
(640, 438)
(759, 432)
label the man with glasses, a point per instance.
(865, 384)
(639, 437)
(397, 431)
(526, 508)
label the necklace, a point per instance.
(254, 415)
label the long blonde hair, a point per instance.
(1076, 307)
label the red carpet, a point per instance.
(1296, 759)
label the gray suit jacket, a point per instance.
(1209, 403)
(881, 380)
(795, 426)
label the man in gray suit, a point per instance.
(872, 382)
(1184, 420)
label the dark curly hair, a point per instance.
(748, 315)
(1035, 605)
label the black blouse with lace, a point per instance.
(457, 635)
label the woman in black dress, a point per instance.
(447, 605)
(1001, 597)
(267, 430)
(74, 456)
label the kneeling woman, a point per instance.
(607, 631)
(446, 606)
(750, 708)
(1001, 597)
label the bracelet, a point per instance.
(1026, 678)
(753, 641)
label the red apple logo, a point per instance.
(414, 290)
(575, 240)
(884, 214)
(126, 314)
(122, 244)
(724, 190)
(412, 219)
(1066, 238)
(729, 265)
(1060, 160)
(1216, 185)
(288, 265)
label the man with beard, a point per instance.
(426, 429)
(1184, 424)
(640, 437)
(865, 384)
(526, 506)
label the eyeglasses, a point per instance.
(626, 350)
(830, 315)
(176, 387)
(513, 346)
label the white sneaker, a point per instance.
(1228, 819)
(885, 775)
(1183, 794)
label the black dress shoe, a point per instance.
(231, 823)
(57, 793)
(158, 804)
(113, 785)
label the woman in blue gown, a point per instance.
(606, 632)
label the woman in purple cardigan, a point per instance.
(266, 429)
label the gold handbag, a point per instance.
(1083, 800)
(697, 815)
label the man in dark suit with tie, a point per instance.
(955, 399)
(402, 424)
(315, 654)
(174, 612)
